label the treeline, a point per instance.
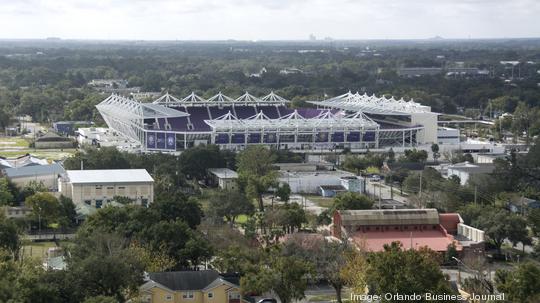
(53, 85)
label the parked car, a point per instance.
(267, 301)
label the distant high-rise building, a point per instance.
(312, 37)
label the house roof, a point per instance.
(223, 173)
(473, 168)
(34, 170)
(389, 217)
(185, 280)
(108, 176)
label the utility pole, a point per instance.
(475, 193)
(380, 196)
(420, 192)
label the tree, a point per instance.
(255, 173)
(101, 299)
(44, 207)
(66, 213)
(9, 237)
(391, 156)
(176, 240)
(414, 155)
(177, 207)
(152, 260)
(354, 271)
(396, 270)
(102, 265)
(533, 219)
(500, 225)
(286, 276)
(521, 285)
(328, 258)
(284, 192)
(350, 200)
(196, 161)
(435, 151)
(522, 120)
(229, 204)
(6, 196)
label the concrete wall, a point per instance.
(471, 233)
(429, 121)
(49, 181)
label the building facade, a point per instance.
(98, 187)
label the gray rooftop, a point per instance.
(223, 173)
(34, 170)
(109, 176)
(185, 280)
(389, 217)
(474, 168)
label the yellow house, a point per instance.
(205, 286)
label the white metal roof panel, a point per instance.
(109, 176)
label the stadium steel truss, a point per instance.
(348, 121)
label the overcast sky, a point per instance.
(268, 19)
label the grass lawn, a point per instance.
(241, 219)
(13, 143)
(321, 201)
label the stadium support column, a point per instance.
(377, 138)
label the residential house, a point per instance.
(205, 286)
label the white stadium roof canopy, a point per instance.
(373, 104)
(293, 121)
(220, 99)
(122, 107)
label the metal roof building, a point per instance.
(108, 176)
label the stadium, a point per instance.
(350, 121)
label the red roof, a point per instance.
(374, 241)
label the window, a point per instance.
(144, 202)
(187, 295)
(168, 297)
(210, 295)
(234, 295)
(99, 203)
(87, 202)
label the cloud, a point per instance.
(268, 19)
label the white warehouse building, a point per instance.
(99, 187)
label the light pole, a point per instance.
(39, 219)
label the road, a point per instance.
(376, 189)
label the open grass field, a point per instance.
(320, 201)
(13, 143)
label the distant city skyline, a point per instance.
(268, 19)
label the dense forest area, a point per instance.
(48, 80)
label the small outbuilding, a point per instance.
(224, 178)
